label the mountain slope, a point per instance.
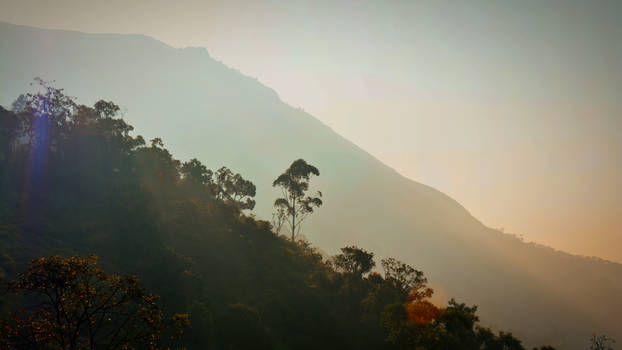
(543, 296)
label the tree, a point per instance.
(354, 260)
(234, 189)
(405, 278)
(455, 327)
(194, 170)
(73, 304)
(295, 205)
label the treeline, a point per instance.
(75, 181)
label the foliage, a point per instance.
(223, 185)
(242, 328)
(405, 278)
(193, 170)
(354, 260)
(295, 205)
(73, 304)
(455, 327)
(234, 188)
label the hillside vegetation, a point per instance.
(74, 181)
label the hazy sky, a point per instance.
(513, 108)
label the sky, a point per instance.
(513, 108)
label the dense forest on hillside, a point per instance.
(75, 181)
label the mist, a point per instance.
(509, 108)
(477, 145)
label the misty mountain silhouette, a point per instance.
(201, 107)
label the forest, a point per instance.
(91, 208)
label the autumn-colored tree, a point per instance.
(422, 312)
(71, 303)
(407, 280)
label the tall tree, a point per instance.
(295, 205)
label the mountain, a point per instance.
(201, 107)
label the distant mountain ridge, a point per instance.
(542, 295)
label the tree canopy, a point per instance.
(354, 260)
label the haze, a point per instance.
(513, 109)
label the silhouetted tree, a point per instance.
(234, 189)
(404, 277)
(296, 204)
(354, 260)
(194, 170)
(455, 327)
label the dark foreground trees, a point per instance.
(71, 303)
